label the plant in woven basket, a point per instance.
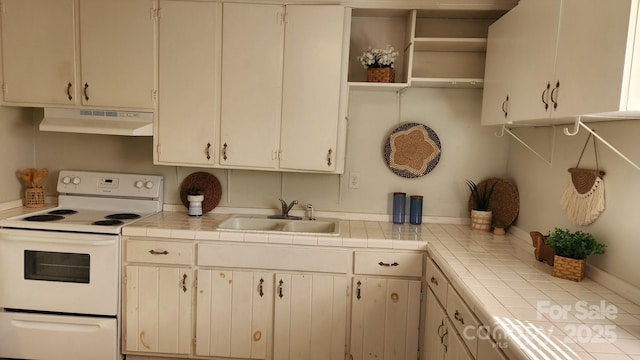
(480, 196)
(574, 245)
(193, 191)
(378, 58)
(571, 250)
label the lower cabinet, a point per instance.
(451, 329)
(310, 317)
(233, 313)
(385, 318)
(158, 309)
(191, 299)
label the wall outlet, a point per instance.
(354, 180)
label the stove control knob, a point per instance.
(66, 180)
(149, 184)
(139, 184)
(76, 181)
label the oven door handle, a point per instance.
(55, 326)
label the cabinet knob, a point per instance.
(86, 92)
(554, 95)
(434, 281)
(69, 91)
(260, 291)
(545, 96)
(280, 292)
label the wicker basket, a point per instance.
(383, 75)
(34, 197)
(567, 268)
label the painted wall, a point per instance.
(468, 151)
(16, 150)
(541, 187)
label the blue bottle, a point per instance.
(415, 210)
(399, 204)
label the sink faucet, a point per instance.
(286, 208)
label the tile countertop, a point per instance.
(353, 234)
(530, 313)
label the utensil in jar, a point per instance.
(39, 176)
(27, 176)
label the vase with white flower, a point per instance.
(379, 64)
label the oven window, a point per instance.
(56, 266)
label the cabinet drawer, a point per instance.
(273, 258)
(462, 317)
(437, 281)
(159, 251)
(393, 264)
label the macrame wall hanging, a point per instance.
(583, 200)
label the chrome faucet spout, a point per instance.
(286, 208)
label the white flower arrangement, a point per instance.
(378, 58)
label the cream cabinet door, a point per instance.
(314, 61)
(500, 63)
(234, 313)
(117, 53)
(593, 61)
(385, 318)
(310, 317)
(435, 329)
(189, 77)
(157, 309)
(252, 48)
(536, 58)
(456, 350)
(38, 52)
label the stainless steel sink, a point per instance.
(263, 224)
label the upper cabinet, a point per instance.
(85, 52)
(284, 95)
(437, 48)
(188, 83)
(570, 57)
(39, 52)
(117, 53)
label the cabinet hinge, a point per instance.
(159, 149)
(154, 14)
(1, 7)
(195, 340)
(154, 96)
(4, 89)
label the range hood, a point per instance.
(96, 121)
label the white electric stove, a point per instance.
(60, 267)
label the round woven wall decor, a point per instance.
(209, 185)
(412, 150)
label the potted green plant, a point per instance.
(571, 250)
(195, 197)
(480, 213)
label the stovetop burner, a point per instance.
(63, 212)
(123, 216)
(109, 222)
(45, 217)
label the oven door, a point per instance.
(59, 272)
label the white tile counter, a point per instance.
(532, 314)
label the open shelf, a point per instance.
(438, 48)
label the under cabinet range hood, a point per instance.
(96, 121)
